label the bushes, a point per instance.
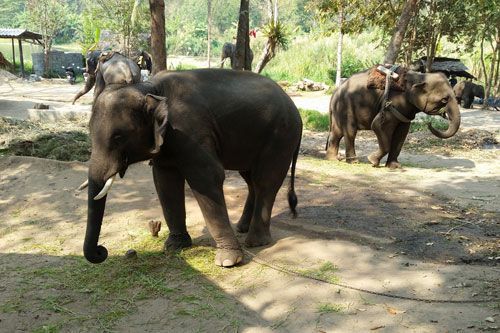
(314, 58)
(314, 120)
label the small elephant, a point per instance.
(229, 51)
(465, 91)
(108, 68)
(193, 125)
(354, 107)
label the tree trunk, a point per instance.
(497, 87)
(268, 51)
(338, 77)
(399, 32)
(489, 80)
(413, 38)
(158, 46)
(242, 56)
(209, 29)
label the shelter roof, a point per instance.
(19, 34)
(449, 66)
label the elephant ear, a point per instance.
(157, 107)
(417, 95)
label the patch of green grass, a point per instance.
(422, 124)
(324, 272)
(64, 140)
(327, 307)
(112, 289)
(181, 67)
(314, 120)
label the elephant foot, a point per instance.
(330, 156)
(243, 225)
(352, 160)
(228, 257)
(373, 160)
(177, 241)
(258, 239)
(393, 165)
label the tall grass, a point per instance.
(315, 58)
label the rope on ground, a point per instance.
(283, 269)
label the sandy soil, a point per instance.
(430, 230)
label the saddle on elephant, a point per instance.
(376, 79)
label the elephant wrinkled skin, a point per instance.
(105, 69)
(193, 125)
(354, 107)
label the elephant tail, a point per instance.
(292, 197)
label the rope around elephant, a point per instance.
(283, 269)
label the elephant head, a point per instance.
(430, 93)
(92, 61)
(478, 91)
(126, 127)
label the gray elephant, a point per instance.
(229, 51)
(108, 68)
(465, 92)
(193, 125)
(354, 107)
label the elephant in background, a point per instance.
(354, 107)
(193, 125)
(108, 68)
(229, 51)
(465, 92)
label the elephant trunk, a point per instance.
(453, 113)
(93, 252)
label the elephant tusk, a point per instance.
(84, 185)
(106, 188)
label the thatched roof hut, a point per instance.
(448, 66)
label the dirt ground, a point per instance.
(429, 230)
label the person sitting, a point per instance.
(453, 80)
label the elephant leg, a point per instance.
(244, 223)
(169, 185)
(398, 139)
(384, 132)
(206, 185)
(349, 138)
(332, 151)
(266, 182)
(468, 102)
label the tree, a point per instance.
(399, 32)
(158, 44)
(47, 16)
(435, 20)
(276, 35)
(242, 57)
(209, 29)
(483, 27)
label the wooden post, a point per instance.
(21, 57)
(13, 55)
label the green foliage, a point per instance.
(314, 58)
(8, 10)
(314, 120)
(423, 123)
(278, 32)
